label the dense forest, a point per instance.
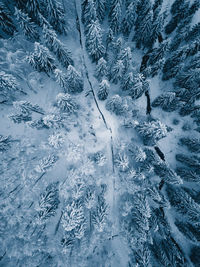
(99, 135)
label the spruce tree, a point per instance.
(130, 17)
(193, 144)
(128, 81)
(115, 16)
(126, 57)
(94, 41)
(74, 80)
(28, 28)
(101, 69)
(100, 9)
(168, 102)
(89, 12)
(103, 90)
(117, 71)
(41, 59)
(61, 79)
(6, 23)
(66, 103)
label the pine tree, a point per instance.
(103, 90)
(100, 9)
(117, 71)
(193, 144)
(116, 16)
(168, 102)
(101, 69)
(100, 215)
(6, 23)
(193, 33)
(116, 105)
(183, 203)
(188, 174)
(61, 79)
(8, 87)
(33, 7)
(28, 28)
(41, 59)
(94, 41)
(73, 216)
(151, 132)
(139, 86)
(56, 46)
(144, 32)
(55, 14)
(126, 57)
(49, 201)
(89, 12)
(128, 81)
(74, 80)
(130, 17)
(168, 175)
(190, 231)
(158, 53)
(66, 103)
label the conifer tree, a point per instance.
(100, 9)
(126, 57)
(101, 69)
(100, 215)
(8, 87)
(151, 132)
(103, 90)
(6, 23)
(41, 59)
(168, 102)
(33, 8)
(28, 28)
(130, 17)
(115, 104)
(66, 103)
(74, 80)
(61, 79)
(89, 12)
(128, 81)
(54, 13)
(117, 71)
(193, 33)
(57, 47)
(193, 144)
(116, 16)
(94, 41)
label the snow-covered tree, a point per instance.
(138, 87)
(33, 7)
(126, 57)
(130, 17)
(100, 9)
(94, 40)
(128, 81)
(99, 217)
(151, 132)
(41, 59)
(193, 144)
(89, 12)
(48, 202)
(8, 87)
(61, 79)
(57, 47)
(6, 23)
(117, 71)
(101, 69)
(74, 80)
(66, 103)
(103, 90)
(115, 16)
(167, 174)
(73, 216)
(28, 27)
(116, 105)
(54, 13)
(168, 101)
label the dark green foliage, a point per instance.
(183, 203)
(168, 102)
(48, 202)
(188, 109)
(33, 7)
(28, 28)
(193, 33)
(41, 59)
(190, 231)
(88, 11)
(193, 144)
(6, 24)
(100, 9)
